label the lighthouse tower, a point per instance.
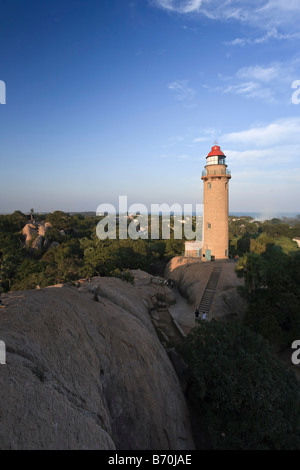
(215, 201)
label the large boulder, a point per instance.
(85, 370)
(29, 231)
(191, 275)
(34, 233)
(37, 243)
(43, 227)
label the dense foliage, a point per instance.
(270, 264)
(248, 398)
(71, 250)
(243, 231)
(272, 288)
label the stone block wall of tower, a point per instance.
(216, 217)
(215, 211)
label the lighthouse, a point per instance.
(215, 206)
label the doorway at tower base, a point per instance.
(192, 249)
(208, 255)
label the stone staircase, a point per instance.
(209, 291)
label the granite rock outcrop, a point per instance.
(85, 370)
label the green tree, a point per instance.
(18, 220)
(173, 248)
(245, 394)
(259, 245)
(9, 267)
(272, 289)
(60, 220)
(254, 270)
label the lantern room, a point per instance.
(215, 156)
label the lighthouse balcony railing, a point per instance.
(214, 173)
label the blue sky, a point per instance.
(126, 97)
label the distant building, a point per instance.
(193, 249)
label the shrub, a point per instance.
(246, 395)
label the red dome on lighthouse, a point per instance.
(215, 151)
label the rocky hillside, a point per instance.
(85, 370)
(191, 276)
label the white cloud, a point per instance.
(265, 166)
(182, 91)
(265, 14)
(179, 6)
(272, 34)
(248, 90)
(282, 131)
(270, 83)
(263, 156)
(201, 139)
(281, 6)
(237, 42)
(258, 72)
(251, 90)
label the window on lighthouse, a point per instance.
(212, 160)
